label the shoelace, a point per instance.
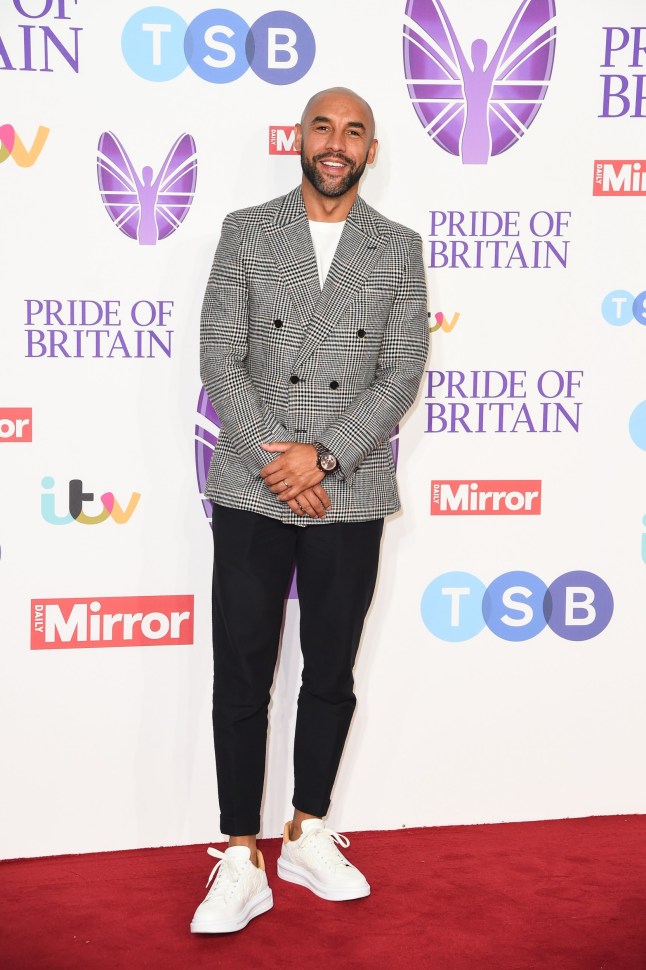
(327, 846)
(224, 874)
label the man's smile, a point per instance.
(333, 164)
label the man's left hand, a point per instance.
(294, 470)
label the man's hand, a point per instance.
(293, 471)
(294, 477)
(313, 502)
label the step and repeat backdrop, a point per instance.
(503, 669)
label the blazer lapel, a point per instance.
(361, 243)
(291, 241)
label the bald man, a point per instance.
(313, 342)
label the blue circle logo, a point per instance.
(280, 47)
(218, 45)
(513, 606)
(452, 606)
(637, 426)
(215, 46)
(620, 307)
(153, 43)
(578, 605)
(517, 606)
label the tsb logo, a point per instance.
(621, 307)
(486, 498)
(15, 424)
(112, 621)
(76, 498)
(218, 45)
(517, 606)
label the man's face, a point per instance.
(336, 141)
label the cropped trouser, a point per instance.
(336, 573)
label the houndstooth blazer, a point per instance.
(282, 360)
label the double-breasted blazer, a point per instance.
(282, 360)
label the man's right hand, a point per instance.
(313, 501)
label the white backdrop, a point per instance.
(109, 746)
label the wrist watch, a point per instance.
(325, 459)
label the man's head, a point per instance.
(336, 138)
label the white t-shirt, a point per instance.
(325, 237)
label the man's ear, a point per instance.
(298, 137)
(372, 151)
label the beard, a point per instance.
(318, 179)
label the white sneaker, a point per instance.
(239, 892)
(315, 862)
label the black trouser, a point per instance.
(336, 573)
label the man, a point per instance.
(313, 342)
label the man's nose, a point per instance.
(335, 141)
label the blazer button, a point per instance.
(361, 333)
(334, 385)
(294, 379)
(278, 324)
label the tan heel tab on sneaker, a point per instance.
(287, 831)
(261, 861)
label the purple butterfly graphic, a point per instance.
(141, 208)
(476, 109)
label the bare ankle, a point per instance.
(295, 830)
(249, 841)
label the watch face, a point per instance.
(328, 462)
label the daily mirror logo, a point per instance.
(282, 140)
(486, 497)
(15, 424)
(111, 621)
(148, 207)
(479, 103)
(619, 177)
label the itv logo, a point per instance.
(12, 146)
(75, 502)
(442, 322)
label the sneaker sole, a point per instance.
(301, 877)
(255, 907)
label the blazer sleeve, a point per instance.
(224, 330)
(369, 420)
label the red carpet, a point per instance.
(559, 895)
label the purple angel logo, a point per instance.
(144, 208)
(474, 109)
